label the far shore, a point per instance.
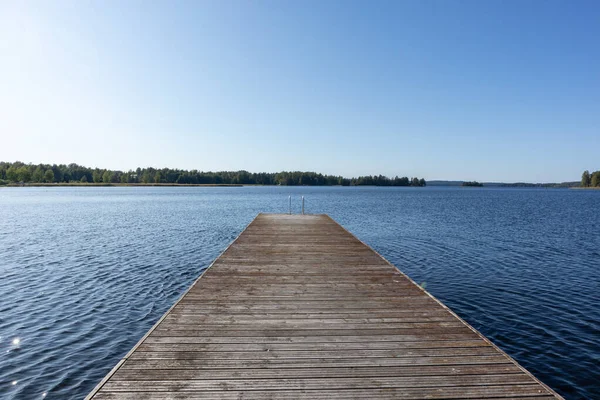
(81, 184)
(101, 184)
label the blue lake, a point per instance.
(85, 272)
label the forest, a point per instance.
(19, 172)
(590, 180)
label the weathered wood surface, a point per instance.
(297, 307)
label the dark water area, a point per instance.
(85, 272)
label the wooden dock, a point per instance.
(299, 308)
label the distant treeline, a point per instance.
(590, 180)
(540, 185)
(45, 173)
(473, 184)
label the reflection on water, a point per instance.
(87, 271)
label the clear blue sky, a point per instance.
(485, 90)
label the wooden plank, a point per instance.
(315, 346)
(134, 374)
(297, 307)
(266, 324)
(280, 363)
(236, 332)
(423, 381)
(141, 354)
(283, 320)
(515, 392)
(375, 313)
(416, 337)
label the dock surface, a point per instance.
(297, 307)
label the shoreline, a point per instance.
(101, 184)
(74, 184)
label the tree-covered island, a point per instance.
(472, 184)
(19, 172)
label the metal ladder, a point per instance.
(290, 205)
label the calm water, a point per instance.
(85, 272)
